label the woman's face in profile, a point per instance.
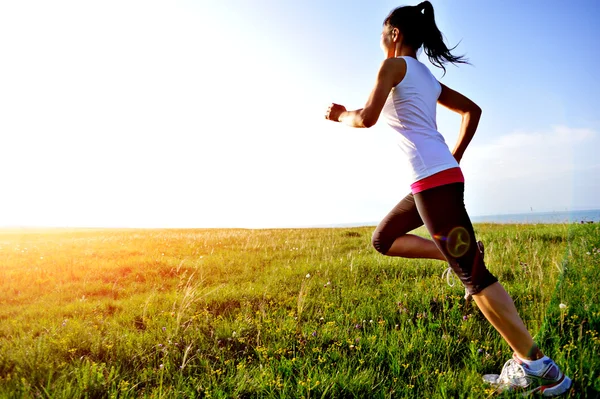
(386, 43)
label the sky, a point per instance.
(209, 113)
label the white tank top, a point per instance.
(410, 110)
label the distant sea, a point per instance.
(542, 217)
(587, 216)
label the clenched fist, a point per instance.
(334, 111)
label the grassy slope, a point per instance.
(232, 313)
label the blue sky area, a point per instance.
(210, 113)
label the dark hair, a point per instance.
(417, 24)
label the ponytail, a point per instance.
(418, 27)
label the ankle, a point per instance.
(534, 353)
(534, 365)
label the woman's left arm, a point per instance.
(391, 73)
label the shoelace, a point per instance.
(449, 275)
(513, 373)
(448, 272)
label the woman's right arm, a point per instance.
(470, 113)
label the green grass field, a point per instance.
(289, 313)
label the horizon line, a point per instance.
(292, 226)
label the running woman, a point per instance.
(406, 94)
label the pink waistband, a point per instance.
(448, 176)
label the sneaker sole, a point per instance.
(491, 379)
(557, 389)
(547, 391)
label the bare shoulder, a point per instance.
(394, 69)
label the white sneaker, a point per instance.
(517, 376)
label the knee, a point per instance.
(380, 243)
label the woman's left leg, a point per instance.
(391, 236)
(443, 212)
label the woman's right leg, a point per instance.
(443, 210)
(390, 237)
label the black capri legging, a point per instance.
(443, 212)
